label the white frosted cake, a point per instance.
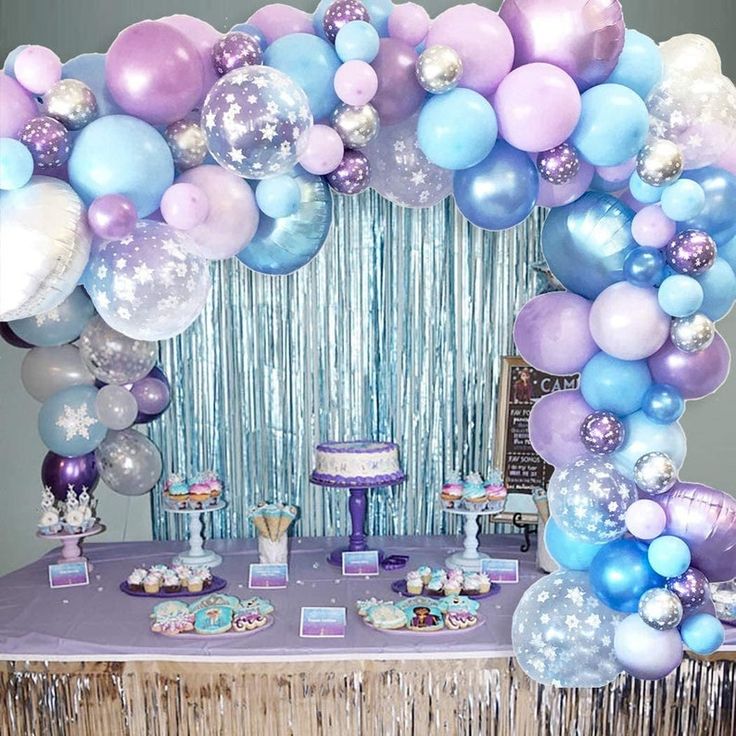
(362, 464)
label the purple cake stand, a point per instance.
(357, 507)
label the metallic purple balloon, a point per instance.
(235, 50)
(112, 216)
(353, 174)
(48, 141)
(559, 165)
(340, 13)
(554, 427)
(692, 252)
(153, 394)
(399, 93)
(59, 473)
(691, 587)
(706, 519)
(582, 37)
(602, 432)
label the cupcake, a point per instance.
(199, 495)
(414, 584)
(495, 491)
(183, 572)
(74, 521)
(452, 490)
(472, 583)
(205, 574)
(136, 578)
(171, 582)
(426, 573)
(474, 493)
(453, 586)
(437, 581)
(152, 583)
(49, 522)
(176, 492)
(484, 583)
(195, 583)
(210, 479)
(159, 570)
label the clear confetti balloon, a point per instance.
(148, 285)
(401, 172)
(71, 102)
(655, 472)
(113, 357)
(690, 54)
(129, 463)
(256, 120)
(588, 499)
(187, 142)
(563, 634)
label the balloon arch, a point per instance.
(125, 173)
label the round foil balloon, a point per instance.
(655, 472)
(44, 246)
(187, 142)
(71, 102)
(129, 462)
(148, 285)
(563, 635)
(660, 609)
(256, 121)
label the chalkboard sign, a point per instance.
(521, 386)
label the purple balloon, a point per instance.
(276, 20)
(602, 432)
(7, 334)
(695, 375)
(112, 216)
(399, 93)
(353, 174)
(340, 13)
(691, 587)
(551, 333)
(558, 165)
(645, 652)
(554, 427)
(59, 473)
(153, 394)
(48, 141)
(706, 519)
(235, 50)
(558, 195)
(17, 107)
(692, 252)
(582, 37)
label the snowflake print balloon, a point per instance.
(68, 422)
(256, 121)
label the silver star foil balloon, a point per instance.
(439, 69)
(692, 334)
(357, 126)
(187, 142)
(655, 472)
(71, 102)
(660, 608)
(659, 163)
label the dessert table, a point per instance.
(84, 658)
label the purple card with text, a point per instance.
(268, 576)
(68, 574)
(322, 622)
(360, 563)
(501, 571)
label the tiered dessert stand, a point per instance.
(197, 555)
(469, 558)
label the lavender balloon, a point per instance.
(554, 426)
(559, 165)
(112, 216)
(340, 13)
(236, 50)
(353, 174)
(256, 120)
(48, 141)
(692, 252)
(706, 519)
(153, 394)
(691, 587)
(399, 93)
(602, 432)
(58, 473)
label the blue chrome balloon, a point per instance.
(90, 69)
(719, 290)
(663, 403)
(639, 66)
(500, 191)
(569, 551)
(282, 246)
(717, 217)
(611, 384)
(645, 266)
(586, 243)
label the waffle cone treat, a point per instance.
(272, 520)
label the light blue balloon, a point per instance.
(119, 154)
(586, 243)
(68, 422)
(457, 130)
(663, 403)
(683, 200)
(251, 30)
(645, 266)
(717, 218)
(282, 246)
(702, 633)
(9, 64)
(611, 384)
(680, 295)
(643, 435)
(357, 40)
(719, 289)
(90, 69)
(727, 251)
(59, 326)
(500, 191)
(311, 62)
(639, 66)
(669, 556)
(613, 125)
(378, 11)
(643, 192)
(568, 551)
(16, 164)
(278, 196)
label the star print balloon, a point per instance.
(588, 499)
(563, 634)
(148, 285)
(256, 120)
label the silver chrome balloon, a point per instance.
(72, 103)
(659, 162)
(692, 334)
(357, 126)
(187, 142)
(655, 472)
(439, 69)
(660, 608)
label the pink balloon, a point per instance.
(627, 322)
(324, 150)
(695, 375)
(184, 206)
(645, 519)
(399, 94)
(232, 217)
(551, 333)
(651, 227)
(554, 427)
(112, 216)
(583, 37)
(154, 72)
(356, 82)
(409, 22)
(17, 107)
(481, 39)
(37, 69)
(277, 20)
(557, 195)
(537, 106)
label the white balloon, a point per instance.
(44, 246)
(116, 407)
(45, 371)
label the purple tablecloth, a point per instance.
(98, 622)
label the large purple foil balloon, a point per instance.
(706, 519)
(399, 94)
(554, 427)
(58, 473)
(695, 375)
(582, 37)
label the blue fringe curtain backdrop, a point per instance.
(393, 332)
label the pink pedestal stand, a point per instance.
(71, 544)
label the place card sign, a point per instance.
(360, 563)
(322, 623)
(501, 571)
(268, 575)
(68, 574)
(520, 387)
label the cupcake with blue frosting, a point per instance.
(474, 493)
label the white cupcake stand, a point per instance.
(468, 559)
(197, 555)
